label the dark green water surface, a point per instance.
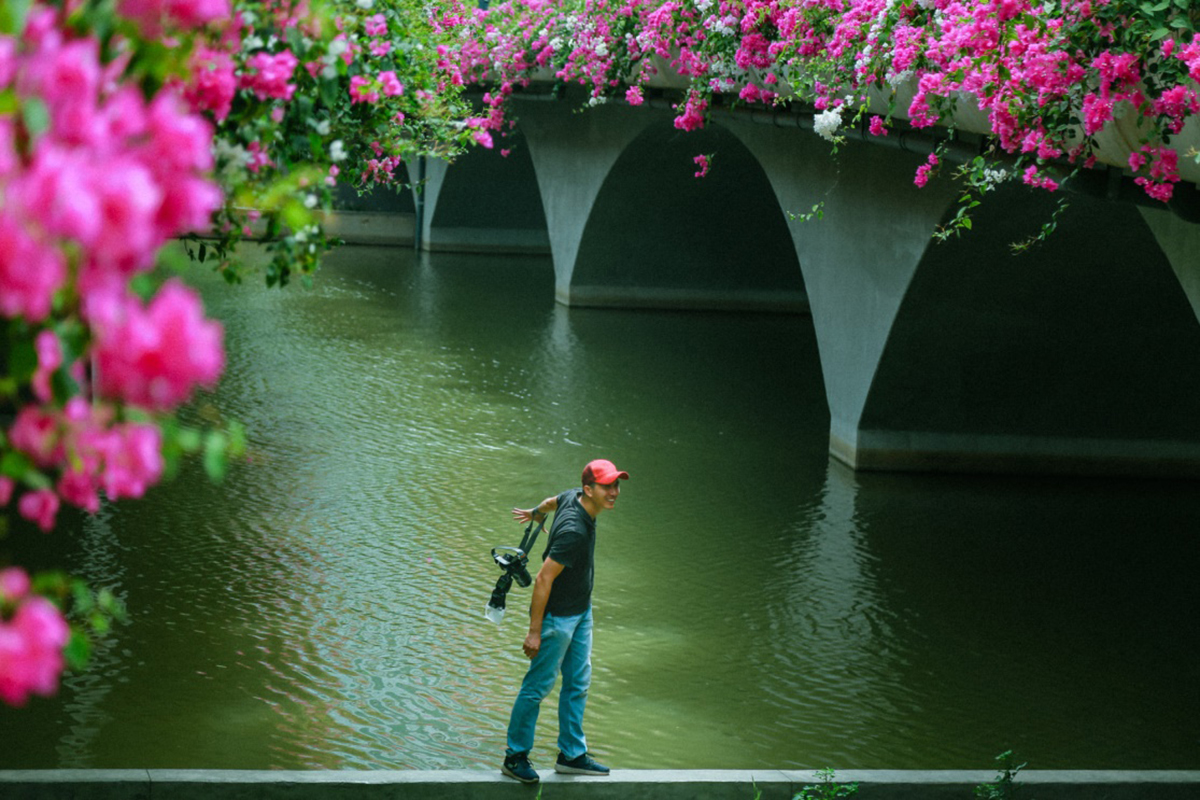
(757, 606)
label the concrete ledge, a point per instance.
(900, 451)
(371, 227)
(665, 298)
(502, 241)
(153, 784)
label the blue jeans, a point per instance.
(566, 647)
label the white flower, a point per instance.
(233, 156)
(827, 122)
(991, 177)
(602, 49)
(365, 5)
(703, 5)
(310, 201)
(337, 150)
(718, 25)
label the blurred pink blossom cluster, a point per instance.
(154, 356)
(152, 16)
(33, 634)
(269, 75)
(95, 179)
(111, 178)
(122, 459)
(213, 83)
(97, 173)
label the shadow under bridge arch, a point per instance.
(660, 237)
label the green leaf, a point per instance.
(215, 462)
(22, 359)
(8, 102)
(12, 16)
(62, 386)
(72, 339)
(237, 439)
(36, 116)
(78, 650)
(14, 464)
(296, 216)
(188, 439)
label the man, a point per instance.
(560, 624)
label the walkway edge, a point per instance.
(157, 784)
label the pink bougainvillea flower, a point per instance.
(269, 75)
(14, 581)
(153, 16)
(925, 171)
(212, 83)
(30, 272)
(391, 85)
(362, 90)
(375, 25)
(31, 645)
(40, 507)
(156, 356)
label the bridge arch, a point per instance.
(487, 200)
(1078, 356)
(659, 236)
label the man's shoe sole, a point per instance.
(506, 771)
(577, 771)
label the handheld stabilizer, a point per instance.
(514, 563)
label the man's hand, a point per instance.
(533, 643)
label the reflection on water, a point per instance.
(757, 605)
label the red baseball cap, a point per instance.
(602, 472)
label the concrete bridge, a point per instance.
(1081, 357)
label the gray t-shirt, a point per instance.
(572, 543)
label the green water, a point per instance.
(757, 606)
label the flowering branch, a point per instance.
(1048, 80)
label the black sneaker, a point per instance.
(517, 766)
(584, 765)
